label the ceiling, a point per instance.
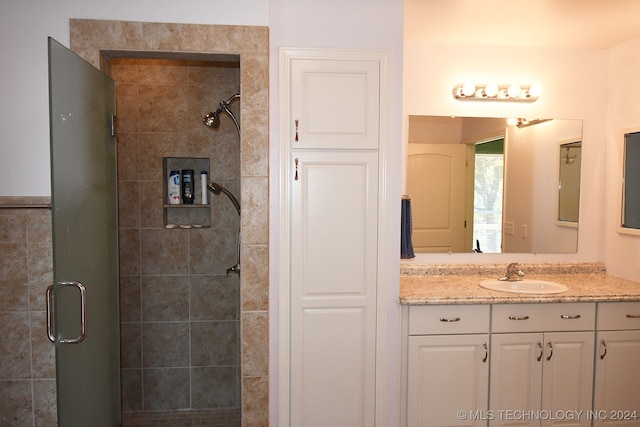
(543, 23)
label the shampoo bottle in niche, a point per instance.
(203, 185)
(187, 186)
(173, 187)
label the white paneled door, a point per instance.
(333, 289)
(331, 320)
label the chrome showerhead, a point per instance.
(212, 119)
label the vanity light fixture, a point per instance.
(495, 92)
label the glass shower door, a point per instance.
(83, 301)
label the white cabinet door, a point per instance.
(447, 374)
(567, 378)
(542, 379)
(335, 104)
(516, 377)
(616, 398)
(334, 200)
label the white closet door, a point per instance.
(334, 201)
(335, 104)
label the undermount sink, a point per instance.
(524, 286)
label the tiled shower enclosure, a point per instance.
(180, 322)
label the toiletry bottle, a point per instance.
(173, 187)
(187, 186)
(203, 184)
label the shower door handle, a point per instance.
(83, 314)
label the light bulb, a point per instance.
(535, 91)
(491, 90)
(468, 89)
(512, 121)
(514, 91)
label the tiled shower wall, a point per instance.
(180, 312)
(92, 38)
(27, 384)
(27, 359)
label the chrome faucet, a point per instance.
(513, 273)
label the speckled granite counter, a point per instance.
(458, 284)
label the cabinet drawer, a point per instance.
(449, 319)
(543, 317)
(618, 315)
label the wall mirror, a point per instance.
(631, 183)
(490, 185)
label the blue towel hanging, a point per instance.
(406, 245)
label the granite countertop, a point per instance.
(458, 284)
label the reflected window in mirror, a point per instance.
(569, 183)
(487, 196)
(631, 183)
(446, 194)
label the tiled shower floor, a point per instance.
(184, 418)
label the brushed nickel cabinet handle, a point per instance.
(633, 316)
(603, 344)
(296, 121)
(454, 319)
(550, 350)
(539, 358)
(486, 352)
(518, 317)
(570, 316)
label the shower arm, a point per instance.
(231, 197)
(223, 107)
(231, 99)
(216, 188)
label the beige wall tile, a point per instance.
(255, 337)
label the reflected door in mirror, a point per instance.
(436, 185)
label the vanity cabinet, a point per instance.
(504, 364)
(541, 363)
(616, 398)
(448, 365)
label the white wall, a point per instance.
(573, 88)
(622, 252)
(24, 107)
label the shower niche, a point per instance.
(183, 215)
